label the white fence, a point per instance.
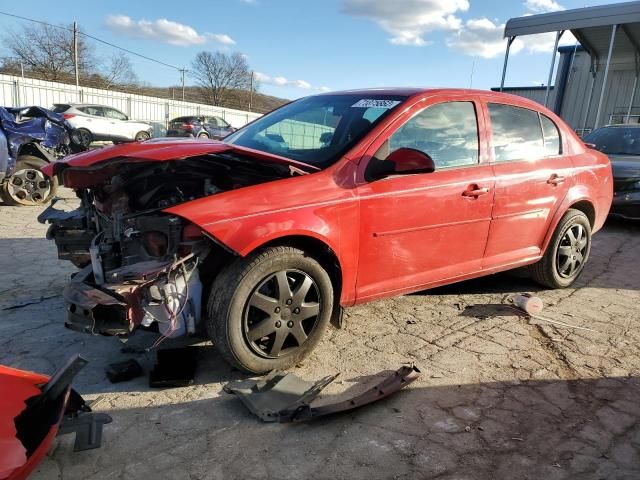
(16, 91)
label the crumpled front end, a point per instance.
(141, 266)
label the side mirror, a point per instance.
(326, 137)
(592, 146)
(409, 160)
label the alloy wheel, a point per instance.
(28, 186)
(281, 313)
(571, 251)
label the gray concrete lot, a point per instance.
(500, 396)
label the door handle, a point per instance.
(474, 191)
(555, 179)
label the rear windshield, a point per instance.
(60, 107)
(616, 140)
(317, 130)
(184, 120)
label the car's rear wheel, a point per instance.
(82, 137)
(142, 136)
(269, 310)
(27, 185)
(567, 253)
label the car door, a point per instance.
(119, 127)
(95, 121)
(532, 178)
(421, 229)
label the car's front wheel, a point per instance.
(28, 185)
(567, 253)
(269, 310)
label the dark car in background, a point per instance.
(201, 127)
(621, 143)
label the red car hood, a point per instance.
(159, 150)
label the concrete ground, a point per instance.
(500, 396)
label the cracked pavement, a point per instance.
(500, 396)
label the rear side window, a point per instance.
(517, 134)
(447, 132)
(551, 136)
(96, 111)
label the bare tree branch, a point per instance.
(119, 71)
(218, 73)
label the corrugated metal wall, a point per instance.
(576, 97)
(15, 91)
(617, 93)
(532, 93)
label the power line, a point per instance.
(131, 52)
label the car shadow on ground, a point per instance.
(582, 428)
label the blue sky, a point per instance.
(300, 47)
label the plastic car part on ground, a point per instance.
(34, 409)
(284, 397)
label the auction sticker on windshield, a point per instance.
(373, 103)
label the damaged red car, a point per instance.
(326, 202)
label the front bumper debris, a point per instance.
(626, 205)
(34, 409)
(285, 398)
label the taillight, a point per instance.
(155, 243)
(187, 126)
(67, 116)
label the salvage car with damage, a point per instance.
(30, 138)
(327, 202)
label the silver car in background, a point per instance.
(101, 123)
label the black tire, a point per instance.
(233, 316)
(83, 137)
(564, 261)
(142, 136)
(28, 186)
(203, 135)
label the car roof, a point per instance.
(622, 125)
(76, 105)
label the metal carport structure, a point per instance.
(605, 32)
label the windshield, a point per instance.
(616, 140)
(316, 130)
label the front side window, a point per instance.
(115, 114)
(447, 132)
(517, 134)
(316, 130)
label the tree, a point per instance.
(48, 51)
(119, 71)
(218, 73)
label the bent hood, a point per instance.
(159, 150)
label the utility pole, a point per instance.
(251, 91)
(182, 70)
(473, 67)
(75, 54)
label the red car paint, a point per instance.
(16, 387)
(403, 233)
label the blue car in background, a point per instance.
(30, 138)
(200, 127)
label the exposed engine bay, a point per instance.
(140, 266)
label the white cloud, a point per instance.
(543, 6)
(222, 38)
(408, 21)
(481, 37)
(163, 30)
(324, 89)
(281, 81)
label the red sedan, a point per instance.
(329, 201)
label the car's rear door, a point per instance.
(94, 121)
(533, 176)
(421, 229)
